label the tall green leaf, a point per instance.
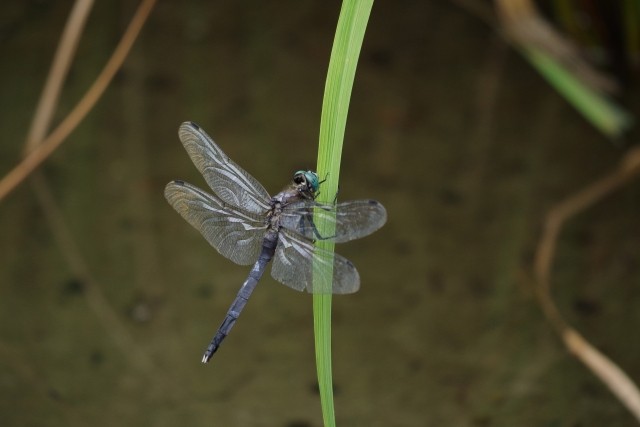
(352, 24)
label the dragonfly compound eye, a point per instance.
(307, 178)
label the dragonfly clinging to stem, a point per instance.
(250, 227)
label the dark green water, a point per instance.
(464, 144)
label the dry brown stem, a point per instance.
(604, 368)
(35, 144)
(53, 141)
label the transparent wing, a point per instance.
(228, 180)
(296, 259)
(234, 232)
(353, 219)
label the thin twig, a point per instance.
(62, 234)
(604, 368)
(53, 141)
(41, 121)
(608, 372)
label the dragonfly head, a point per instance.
(307, 182)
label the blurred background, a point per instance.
(108, 298)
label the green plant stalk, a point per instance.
(347, 43)
(603, 114)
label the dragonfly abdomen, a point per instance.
(268, 249)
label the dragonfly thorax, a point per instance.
(304, 187)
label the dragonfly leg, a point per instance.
(316, 232)
(335, 198)
(325, 178)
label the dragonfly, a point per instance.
(249, 227)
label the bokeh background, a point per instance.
(107, 302)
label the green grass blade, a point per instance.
(352, 24)
(602, 113)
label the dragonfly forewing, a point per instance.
(235, 233)
(228, 180)
(350, 220)
(297, 263)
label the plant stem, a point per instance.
(352, 24)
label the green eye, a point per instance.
(310, 177)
